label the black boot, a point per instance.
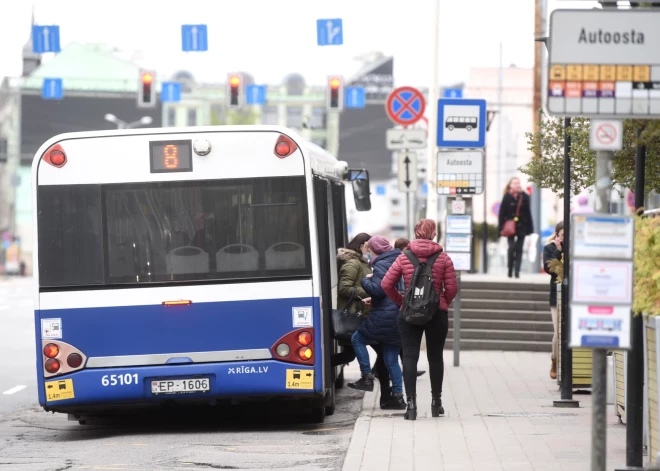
(366, 383)
(395, 402)
(411, 411)
(436, 407)
(385, 394)
(420, 373)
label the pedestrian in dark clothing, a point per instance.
(516, 206)
(444, 282)
(553, 251)
(352, 266)
(380, 326)
(401, 243)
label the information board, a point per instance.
(604, 63)
(602, 236)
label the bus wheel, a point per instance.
(318, 415)
(468, 128)
(450, 127)
(339, 382)
(330, 402)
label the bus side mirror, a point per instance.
(361, 192)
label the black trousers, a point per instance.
(411, 340)
(348, 355)
(515, 252)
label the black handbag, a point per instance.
(345, 323)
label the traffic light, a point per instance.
(235, 91)
(146, 97)
(335, 94)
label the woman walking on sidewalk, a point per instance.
(553, 251)
(444, 283)
(380, 327)
(515, 207)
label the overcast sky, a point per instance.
(272, 38)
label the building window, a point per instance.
(318, 120)
(192, 117)
(171, 117)
(269, 115)
(294, 117)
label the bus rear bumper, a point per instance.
(150, 384)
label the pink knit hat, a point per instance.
(379, 245)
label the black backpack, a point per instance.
(421, 301)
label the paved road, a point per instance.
(246, 438)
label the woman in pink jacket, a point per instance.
(444, 281)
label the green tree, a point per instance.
(546, 169)
(236, 117)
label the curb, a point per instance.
(353, 460)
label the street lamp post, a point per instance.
(143, 121)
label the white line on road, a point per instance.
(15, 389)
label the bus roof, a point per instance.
(319, 160)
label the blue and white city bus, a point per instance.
(195, 264)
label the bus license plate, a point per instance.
(181, 386)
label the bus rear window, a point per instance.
(177, 231)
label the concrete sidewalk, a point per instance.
(499, 415)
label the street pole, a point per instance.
(484, 234)
(432, 165)
(599, 366)
(500, 123)
(565, 352)
(635, 374)
(457, 322)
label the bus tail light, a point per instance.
(305, 353)
(284, 146)
(55, 156)
(60, 358)
(74, 360)
(51, 350)
(52, 365)
(295, 347)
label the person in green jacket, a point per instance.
(352, 266)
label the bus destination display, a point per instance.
(170, 156)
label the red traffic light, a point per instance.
(234, 81)
(147, 78)
(335, 83)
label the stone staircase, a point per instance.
(503, 315)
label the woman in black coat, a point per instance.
(514, 196)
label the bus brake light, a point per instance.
(305, 353)
(51, 350)
(284, 146)
(304, 338)
(55, 156)
(52, 365)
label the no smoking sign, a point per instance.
(606, 135)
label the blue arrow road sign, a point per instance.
(453, 93)
(355, 97)
(45, 39)
(461, 123)
(194, 38)
(329, 32)
(52, 89)
(170, 91)
(255, 94)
